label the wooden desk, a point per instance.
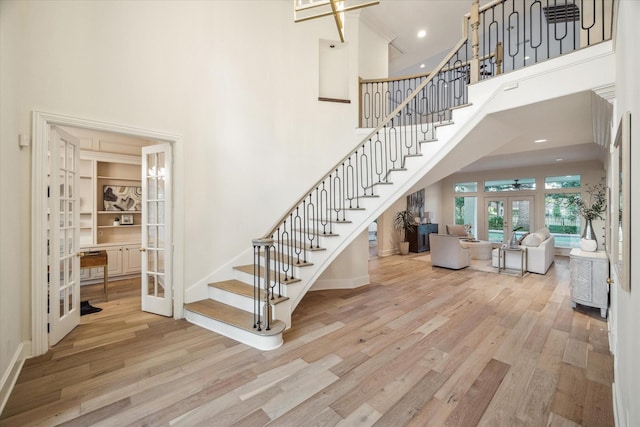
(97, 259)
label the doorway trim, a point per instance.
(41, 121)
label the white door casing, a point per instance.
(41, 125)
(156, 280)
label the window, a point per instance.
(465, 209)
(465, 187)
(563, 222)
(466, 212)
(517, 184)
(557, 182)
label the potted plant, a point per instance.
(403, 222)
(593, 207)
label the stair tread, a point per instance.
(282, 258)
(301, 245)
(232, 316)
(249, 270)
(313, 232)
(241, 288)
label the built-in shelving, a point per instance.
(97, 229)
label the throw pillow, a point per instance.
(456, 230)
(532, 240)
(522, 238)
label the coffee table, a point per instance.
(480, 249)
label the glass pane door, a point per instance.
(506, 214)
(64, 235)
(156, 230)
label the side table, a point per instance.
(589, 272)
(502, 255)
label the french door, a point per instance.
(504, 214)
(157, 243)
(63, 234)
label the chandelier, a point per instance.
(304, 10)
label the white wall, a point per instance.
(625, 311)
(242, 97)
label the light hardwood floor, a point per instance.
(420, 346)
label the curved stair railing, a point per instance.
(355, 177)
(427, 102)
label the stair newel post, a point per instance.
(262, 309)
(499, 58)
(475, 45)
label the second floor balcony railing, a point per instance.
(504, 35)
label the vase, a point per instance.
(513, 243)
(404, 248)
(588, 242)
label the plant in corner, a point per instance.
(403, 222)
(590, 209)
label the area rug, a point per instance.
(476, 264)
(86, 308)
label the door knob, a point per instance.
(142, 249)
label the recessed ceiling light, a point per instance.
(559, 159)
(422, 34)
(422, 65)
(539, 141)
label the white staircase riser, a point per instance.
(230, 298)
(261, 342)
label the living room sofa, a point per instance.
(540, 246)
(446, 252)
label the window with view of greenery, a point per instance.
(516, 184)
(466, 212)
(465, 187)
(556, 182)
(562, 220)
(465, 209)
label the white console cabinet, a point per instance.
(123, 260)
(589, 273)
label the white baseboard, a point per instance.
(620, 418)
(10, 376)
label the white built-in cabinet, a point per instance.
(97, 229)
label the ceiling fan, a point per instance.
(516, 185)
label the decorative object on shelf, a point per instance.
(427, 217)
(513, 243)
(590, 209)
(122, 198)
(116, 221)
(127, 219)
(415, 204)
(403, 222)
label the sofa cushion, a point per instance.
(456, 230)
(533, 239)
(522, 238)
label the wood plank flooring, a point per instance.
(419, 346)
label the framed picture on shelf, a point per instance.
(127, 219)
(122, 198)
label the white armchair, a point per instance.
(447, 252)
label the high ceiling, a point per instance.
(567, 121)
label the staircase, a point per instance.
(254, 303)
(302, 252)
